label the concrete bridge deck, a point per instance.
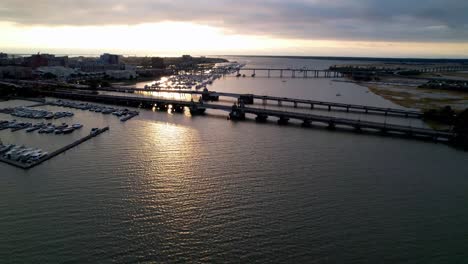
(263, 114)
(281, 100)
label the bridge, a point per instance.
(292, 73)
(451, 68)
(237, 112)
(250, 99)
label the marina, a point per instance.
(41, 128)
(26, 112)
(27, 158)
(123, 114)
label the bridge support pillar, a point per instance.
(162, 107)
(261, 118)
(236, 114)
(295, 104)
(329, 108)
(357, 128)
(306, 123)
(178, 108)
(280, 103)
(331, 125)
(283, 121)
(264, 101)
(311, 106)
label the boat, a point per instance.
(58, 131)
(68, 130)
(34, 128)
(94, 130)
(77, 126)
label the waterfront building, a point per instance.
(107, 58)
(15, 72)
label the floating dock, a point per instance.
(55, 153)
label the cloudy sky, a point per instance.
(397, 28)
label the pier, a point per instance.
(291, 73)
(55, 153)
(450, 68)
(239, 112)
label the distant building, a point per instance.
(107, 58)
(94, 66)
(16, 72)
(44, 60)
(3, 56)
(59, 71)
(157, 63)
(122, 75)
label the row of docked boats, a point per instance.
(42, 128)
(25, 112)
(21, 153)
(123, 114)
(185, 81)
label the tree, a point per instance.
(461, 129)
(49, 75)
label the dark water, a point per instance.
(175, 188)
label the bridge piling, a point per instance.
(282, 121)
(306, 123)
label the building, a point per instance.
(44, 60)
(122, 75)
(3, 56)
(58, 71)
(157, 63)
(111, 59)
(16, 72)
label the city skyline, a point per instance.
(303, 28)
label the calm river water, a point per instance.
(174, 188)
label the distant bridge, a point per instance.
(292, 73)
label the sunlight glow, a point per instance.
(177, 38)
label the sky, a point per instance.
(370, 28)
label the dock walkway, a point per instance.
(55, 153)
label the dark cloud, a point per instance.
(398, 20)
